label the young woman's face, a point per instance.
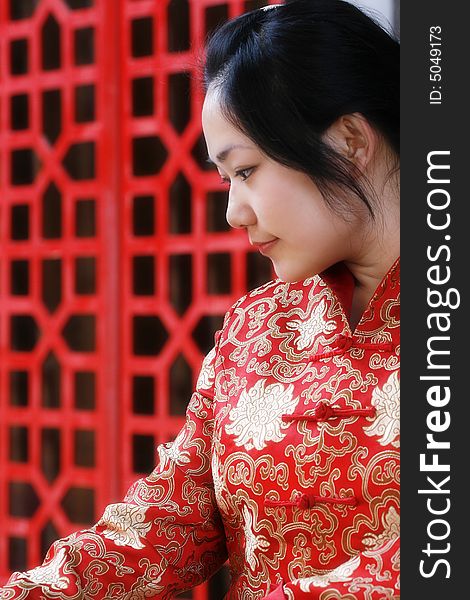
(281, 209)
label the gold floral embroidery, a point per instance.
(340, 574)
(222, 496)
(396, 561)
(174, 450)
(257, 418)
(207, 373)
(50, 573)
(313, 326)
(253, 542)
(387, 421)
(125, 525)
(391, 523)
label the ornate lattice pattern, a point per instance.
(116, 265)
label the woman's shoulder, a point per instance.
(274, 299)
(280, 292)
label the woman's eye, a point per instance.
(244, 173)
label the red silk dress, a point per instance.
(288, 464)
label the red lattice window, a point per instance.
(58, 337)
(116, 263)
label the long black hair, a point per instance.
(285, 74)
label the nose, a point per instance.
(239, 213)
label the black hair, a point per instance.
(285, 74)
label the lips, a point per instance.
(264, 247)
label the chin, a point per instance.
(292, 275)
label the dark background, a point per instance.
(426, 128)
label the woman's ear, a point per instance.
(352, 136)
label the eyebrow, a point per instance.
(222, 156)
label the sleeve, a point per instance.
(370, 575)
(166, 536)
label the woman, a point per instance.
(288, 463)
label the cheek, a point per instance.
(284, 199)
(291, 203)
(311, 220)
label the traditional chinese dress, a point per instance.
(288, 464)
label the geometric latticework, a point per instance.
(116, 263)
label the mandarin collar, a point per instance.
(341, 282)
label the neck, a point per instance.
(369, 273)
(379, 245)
(367, 278)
